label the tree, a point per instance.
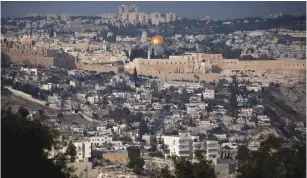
(202, 97)
(126, 111)
(162, 173)
(135, 161)
(71, 152)
(273, 160)
(242, 155)
(51, 33)
(23, 112)
(184, 168)
(143, 127)
(36, 140)
(233, 96)
(154, 86)
(135, 75)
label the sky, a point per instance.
(217, 10)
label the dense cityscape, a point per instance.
(135, 94)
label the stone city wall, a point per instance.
(235, 64)
(82, 46)
(66, 62)
(28, 58)
(97, 67)
(166, 66)
(37, 56)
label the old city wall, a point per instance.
(235, 64)
(36, 56)
(16, 57)
(65, 61)
(171, 69)
(82, 46)
(158, 66)
(96, 67)
(25, 54)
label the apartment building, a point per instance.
(84, 151)
(179, 145)
(211, 148)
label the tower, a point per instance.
(144, 36)
(148, 53)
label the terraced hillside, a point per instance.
(287, 101)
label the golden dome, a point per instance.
(157, 40)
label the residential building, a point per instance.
(84, 151)
(211, 148)
(180, 145)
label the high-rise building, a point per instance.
(133, 17)
(143, 18)
(124, 16)
(133, 8)
(155, 18)
(128, 9)
(170, 17)
(123, 9)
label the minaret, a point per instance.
(148, 53)
(129, 52)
